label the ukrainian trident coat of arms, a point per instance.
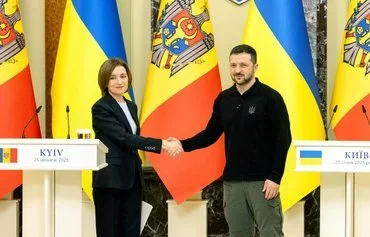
(181, 37)
(11, 41)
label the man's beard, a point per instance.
(243, 82)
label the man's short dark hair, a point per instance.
(244, 48)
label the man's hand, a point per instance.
(271, 189)
(172, 147)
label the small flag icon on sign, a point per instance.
(8, 155)
(310, 157)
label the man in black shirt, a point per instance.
(255, 121)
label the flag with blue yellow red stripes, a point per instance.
(277, 30)
(17, 99)
(91, 33)
(183, 82)
(8, 155)
(352, 86)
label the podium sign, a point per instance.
(339, 206)
(333, 156)
(52, 195)
(52, 154)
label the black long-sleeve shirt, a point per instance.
(257, 133)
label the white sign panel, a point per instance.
(333, 156)
(52, 154)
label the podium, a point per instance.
(345, 190)
(52, 194)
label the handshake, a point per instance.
(172, 146)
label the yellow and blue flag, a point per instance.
(91, 33)
(310, 157)
(17, 99)
(277, 30)
(352, 86)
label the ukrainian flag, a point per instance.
(277, 30)
(310, 157)
(91, 33)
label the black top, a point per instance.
(112, 127)
(257, 133)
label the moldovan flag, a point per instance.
(278, 32)
(17, 100)
(352, 85)
(91, 33)
(183, 81)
